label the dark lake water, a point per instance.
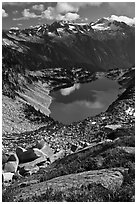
(83, 100)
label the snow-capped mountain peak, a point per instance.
(112, 22)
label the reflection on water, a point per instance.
(83, 100)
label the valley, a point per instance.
(69, 157)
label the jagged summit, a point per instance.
(105, 23)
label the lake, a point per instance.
(83, 100)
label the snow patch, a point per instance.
(60, 29)
(100, 27)
(93, 123)
(125, 19)
(71, 27)
(113, 127)
(130, 111)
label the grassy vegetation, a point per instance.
(110, 158)
(90, 193)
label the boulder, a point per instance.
(26, 171)
(129, 150)
(58, 155)
(74, 147)
(19, 152)
(111, 179)
(45, 148)
(30, 167)
(12, 164)
(28, 155)
(32, 164)
(40, 144)
(7, 177)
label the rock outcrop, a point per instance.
(111, 179)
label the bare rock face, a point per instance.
(12, 164)
(28, 155)
(111, 179)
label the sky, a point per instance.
(26, 14)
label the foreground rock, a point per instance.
(7, 177)
(4, 158)
(33, 166)
(45, 148)
(58, 155)
(129, 150)
(111, 179)
(12, 164)
(28, 155)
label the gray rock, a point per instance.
(111, 179)
(31, 167)
(4, 159)
(7, 177)
(45, 148)
(40, 144)
(38, 161)
(129, 150)
(28, 155)
(12, 164)
(58, 155)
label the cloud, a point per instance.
(128, 21)
(51, 13)
(68, 17)
(66, 10)
(90, 105)
(69, 90)
(4, 14)
(15, 3)
(39, 7)
(65, 7)
(27, 15)
(19, 24)
(74, 6)
(14, 28)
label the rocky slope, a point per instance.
(98, 143)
